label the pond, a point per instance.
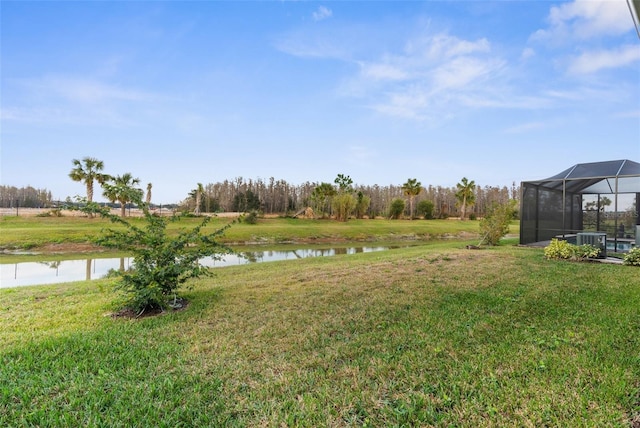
(39, 273)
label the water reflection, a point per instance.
(36, 273)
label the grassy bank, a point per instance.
(430, 335)
(34, 232)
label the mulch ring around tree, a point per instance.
(176, 305)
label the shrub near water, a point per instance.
(162, 263)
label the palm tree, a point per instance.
(465, 195)
(88, 171)
(148, 200)
(199, 191)
(412, 188)
(122, 190)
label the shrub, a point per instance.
(162, 263)
(560, 249)
(585, 251)
(633, 257)
(425, 209)
(495, 225)
(396, 209)
(251, 218)
(343, 205)
(362, 205)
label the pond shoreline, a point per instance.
(87, 247)
(82, 267)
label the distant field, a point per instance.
(432, 335)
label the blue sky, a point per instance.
(182, 92)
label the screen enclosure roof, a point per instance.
(619, 176)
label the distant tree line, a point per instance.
(280, 197)
(25, 197)
(340, 200)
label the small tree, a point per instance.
(362, 204)
(425, 209)
(343, 205)
(162, 263)
(397, 208)
(344, 201)
(495, 224)
(344, 183)
(321, 198)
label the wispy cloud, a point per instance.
(306, 43)
(408, 104)
(527, 53)
(525, 128)
(462, 72)
(84, 90)
(360, 155)
(577, 25)
(322, 13)
(591, 62)
(383, 71)
(432, 76)
(71, 100)
(442, 46)
(633, 114)
(585, 19)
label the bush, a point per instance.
(362, 205)
(396, 209)
(632, 258)
(560, 249)
(495, 225)
(343, 205)
(162, 263)
(585, 251)
(425, 209)
(251, 218)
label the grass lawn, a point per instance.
(432, 335)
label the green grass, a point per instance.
(33, 232)
(432, 335)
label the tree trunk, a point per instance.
(463, 208)
(411, 208)
(90, 194)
